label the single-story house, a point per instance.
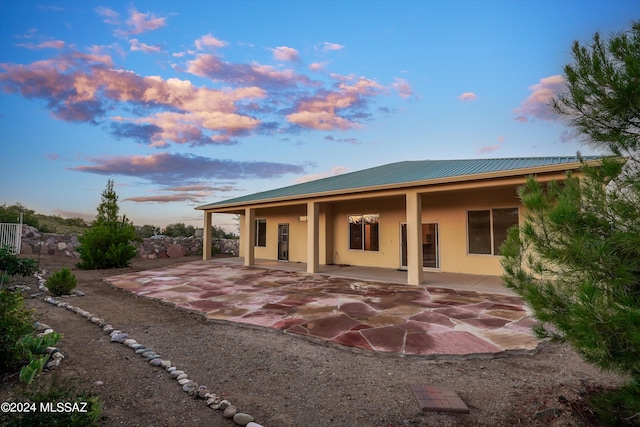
(440, 215)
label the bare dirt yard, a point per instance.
(285, 380)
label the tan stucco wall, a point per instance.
(448, 209)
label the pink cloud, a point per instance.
(171, 169)
(110, 16)
(211, 66)
(138, 46)
(536, 106)
(284, 53)
(336, 170)
(51, 44)
(490, 148)
(139, 23)
(320, 112)
(468, 97)
(316, 66)
(208, 41)
(82, 87)
(403, 87)
(326, 46)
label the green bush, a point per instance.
(109, 241)
(11, 265)
(57, 392)
(107, 246)
(61, 282)
(15, 323)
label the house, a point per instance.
(440, 215)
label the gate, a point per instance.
(11, 235)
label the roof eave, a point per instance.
(409, 184)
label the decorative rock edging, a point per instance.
(154, 359)
(53, 352)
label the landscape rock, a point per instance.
(230, 411)
(242, 419)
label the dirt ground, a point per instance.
(282, 379)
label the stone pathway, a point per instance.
(373, 316)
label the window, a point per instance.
(487, 229)
(363, 232)
(261, 232)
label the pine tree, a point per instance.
(108, 243)
(575, 258)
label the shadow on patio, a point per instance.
(363, 308)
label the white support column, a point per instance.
(313, 252)
(207, 236)
(414, 238)
(249, 237)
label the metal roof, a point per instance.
(398, 174)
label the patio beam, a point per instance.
(207, 236)
(247, 240)
(313, 252)
(414, 237)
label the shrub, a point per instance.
(15, 323)
(11, 265)
(61, 282)
(108, 243)
(55, 393)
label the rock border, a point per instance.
(189, 386)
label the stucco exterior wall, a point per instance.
(447, 209)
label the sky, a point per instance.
(185, 103)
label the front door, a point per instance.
(430, 246)
(283, 242)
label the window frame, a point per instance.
(366, 238)
(256, 241)
(492, 231)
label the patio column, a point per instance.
(313, 252)
(207, 236)
(414, 238)
(249, 236)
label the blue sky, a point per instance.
(184, 103)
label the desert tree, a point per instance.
(108, 243)
(575, 258)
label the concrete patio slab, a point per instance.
(348, 311)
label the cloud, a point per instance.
(346, 140)
(135, 45)
(83, 87)
(327, 47)
(403, 87)
(320, 111)
(179, 169)
(208, 41)
(284, 53)
(166, 198)
(490, 148)
(316, 66)
(51, 44)
(468, 97)
(211, 66)
(536, 106)
(336, 170)
(110, 16)
(139, 23)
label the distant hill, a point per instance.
(44, 223)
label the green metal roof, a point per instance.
(398, 174)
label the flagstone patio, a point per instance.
(374, 316)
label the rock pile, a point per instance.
(34, 242)
(189, 386)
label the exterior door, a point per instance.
(283, 242)
(430, 246)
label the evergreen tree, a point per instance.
(108, 243)
(575, 258)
